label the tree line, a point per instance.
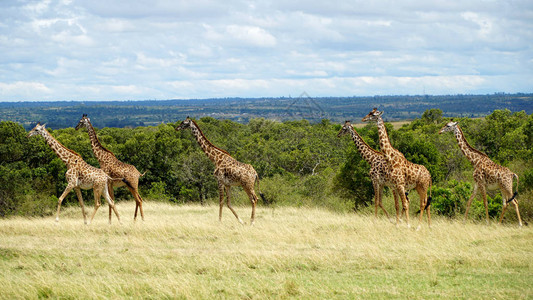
(299, 163)
(337, 109)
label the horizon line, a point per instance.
(271, 97)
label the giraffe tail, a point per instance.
(127, 183)
(109, 178)
(258, 188)
(515, 193)
(428, 202)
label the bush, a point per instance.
(477, 210)
(451, 200)
(157, 191)
(39, 205)
(527, 181)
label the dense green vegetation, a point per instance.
(337, 109)
(299, 163)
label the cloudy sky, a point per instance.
(171, 49)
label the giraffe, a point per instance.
(228, 171)
(379, 170)
(487, 174)
(79, 175)
(128, 174)
(405, 174)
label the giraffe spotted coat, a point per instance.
(487, 174)
(228, 171)
(404, 174)
(128, 175)
(79, 175)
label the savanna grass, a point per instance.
(185, 252)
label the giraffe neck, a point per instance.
(366, 151)
(68, 156)
(213, 153)
(473, 155)
(390, 153)
(99, 151)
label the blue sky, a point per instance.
(156, 49)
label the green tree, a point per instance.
(353, 182)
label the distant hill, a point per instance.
(63, 114)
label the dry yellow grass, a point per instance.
(184, 252)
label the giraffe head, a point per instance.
(345, 129)
(449, 127)
(373, 116)
(84, 122)
(37, 130)
(185, 124)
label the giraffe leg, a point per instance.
(504, 208)
(376, 199)
(112, 195)
(403, 207)
(111, 204)
(515, 202)
(80, 199)
(428, 212)
(97, 194)
(397, 206)
(228, 202)
(65, 193)
(110, 209)
(423, 201)
(470, 200)
(221, 191)
(507, 193)
(485, 202)
(405, 203)
(138, 203)
(253, 198)
(381, 203)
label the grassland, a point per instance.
(185, 252)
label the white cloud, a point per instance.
(97, 50)
(484, 23)
(116, 25)
(26, 89)
(38, 7)
(251, 35)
